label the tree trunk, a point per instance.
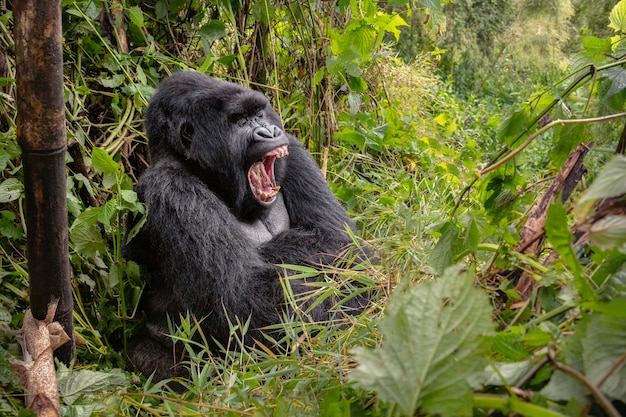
(41, 134)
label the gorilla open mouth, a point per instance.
(261, 176)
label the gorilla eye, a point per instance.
(186, 134)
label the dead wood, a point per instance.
(532, 235)
(39, 339)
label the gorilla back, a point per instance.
(229, 196)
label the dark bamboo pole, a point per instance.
(41, 134)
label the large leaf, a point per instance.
(561, 238)
(604, 348)
(82, 384)
(618, 17)
(610, 182)
(433, 341)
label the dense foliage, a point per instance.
(460, 135)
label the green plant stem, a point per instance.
(544, 129)
(549, 315)
(507, 405)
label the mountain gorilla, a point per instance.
(229, 196)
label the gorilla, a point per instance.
(230, 197)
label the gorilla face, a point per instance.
(228, 136)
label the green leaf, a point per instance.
(103, 162)
(359, 36)
(75, 384)
(618, 17)
(443, 252)
(136, 16)
(434, 340)
(604, 347)
(609, 183)
(561, 238)
(85, 235)
(8, 227)
(609, 232)
(514, 125)
(213, 30)
(114, 81)
(10, 190)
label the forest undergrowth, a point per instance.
(495, 205)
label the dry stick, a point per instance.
(600, 398)
(544, 129)
(39, 339)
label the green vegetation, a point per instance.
(455, 133)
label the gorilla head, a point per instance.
(227, 135)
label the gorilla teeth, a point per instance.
(261, 175)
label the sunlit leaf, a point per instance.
(10, 190)
(610, 182)
(609, 232)
(618, 17)
(103, 162)
(433, 342)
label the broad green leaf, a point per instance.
(441, 256)
(434, 340)
(10, 190)
(103, 162)
(74, 384)
(618, 17)
(561, 386)
(136, 16)
(561, 238)
(213, 30)
(595, 53)
(617, 78)
(507, 373)
(8, 228)
(514, 125)
(509, 345)
(161, 9)
(609, 232)
(114, 81)
(85, 237)
(604, 347)
(616, 308)
(358, 35)
(610, 182)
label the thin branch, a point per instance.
(595, 391)
(544, 129)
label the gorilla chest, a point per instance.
(263, 230)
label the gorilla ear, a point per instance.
(186, 134)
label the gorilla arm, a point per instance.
(317, 220)
(199, 258)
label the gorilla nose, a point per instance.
(267, 132)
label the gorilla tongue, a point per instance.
(261, 175)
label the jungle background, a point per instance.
(479, 144)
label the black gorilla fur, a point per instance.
(211, 244)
